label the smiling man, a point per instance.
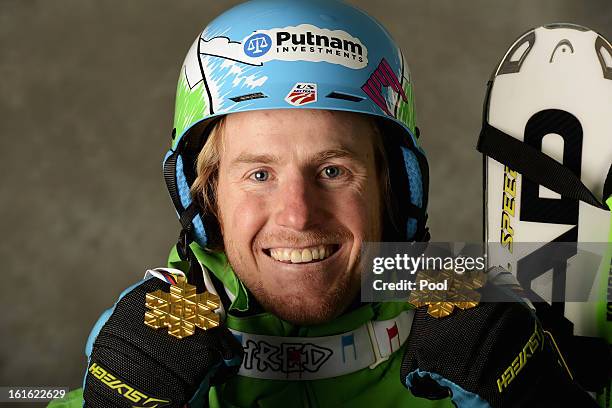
(298, 192)
(295, 143)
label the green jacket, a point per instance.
(380, 386)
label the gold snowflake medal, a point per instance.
(461, 291)
(181, 310)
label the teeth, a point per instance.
(301, 255)
(315, 253)
(306, 255)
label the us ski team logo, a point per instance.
(302, 94)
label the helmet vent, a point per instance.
(248, 97)
(346, 97)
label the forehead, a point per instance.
(292, 131)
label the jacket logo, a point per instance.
(286, 358)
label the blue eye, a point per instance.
(332, 172)
(260, 175)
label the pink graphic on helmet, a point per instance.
(383, 77)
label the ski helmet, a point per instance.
(315, 54)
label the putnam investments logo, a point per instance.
(306, 42)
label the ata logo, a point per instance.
(288, 358)
(182, 309)
(302, 94)
(257, 45)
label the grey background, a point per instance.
(86, 105)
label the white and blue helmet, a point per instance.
(314, 54)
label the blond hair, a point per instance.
(204, 188)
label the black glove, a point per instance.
(493, 355)
(131, 364)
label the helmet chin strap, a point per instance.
(194, 273)
(187, 214)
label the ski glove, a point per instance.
(131, 364)
(493, 355)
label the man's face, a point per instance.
(297, 196)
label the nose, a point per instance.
(296, 203)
